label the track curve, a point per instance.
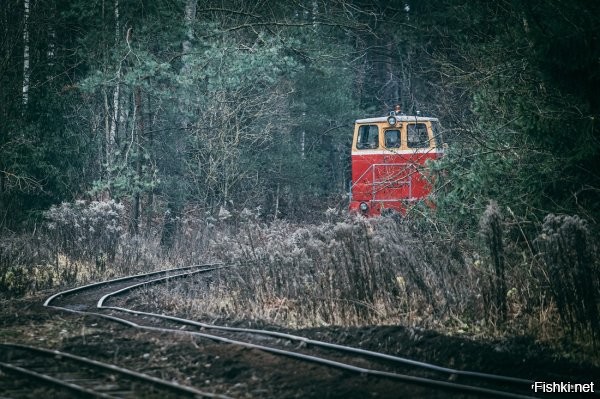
(105, 291)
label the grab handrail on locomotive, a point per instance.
(388, 161)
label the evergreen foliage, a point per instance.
(173, 105)
(525, 71)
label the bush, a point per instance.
(24, 264)
(570, 258)
(357, 271)
(88, 232)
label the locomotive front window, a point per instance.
(392, 138)
(368, 137)
(417, 136)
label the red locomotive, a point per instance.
(388, 162)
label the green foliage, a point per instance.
(530, 143)
(130, 107)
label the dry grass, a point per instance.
(572, 270)
(80, 242)
(353, 271)
(374, 272)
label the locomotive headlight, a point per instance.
(391, 120)
(364, 207)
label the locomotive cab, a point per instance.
(388, 162)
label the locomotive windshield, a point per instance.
(368, 137)
(417, 136)
(392, 138)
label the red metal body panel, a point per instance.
(389, 181)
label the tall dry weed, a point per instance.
(491, 231)
(570, 257)
(356, 271)
(24, 264)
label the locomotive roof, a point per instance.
(399, 118)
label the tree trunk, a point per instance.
(189, 18)
(111, 139)
(276, 203)
(149, 208)
(138, 130)
(391, 85)
(51, 51)
(26, 71)
(174, 206)
(104, 148)
(303, 143)
(3, 212)
(110, 144)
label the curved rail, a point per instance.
(308, 341)
(121, 279)
(328, 362)
(328, 345)
(332, 363)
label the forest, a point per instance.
(139, 133)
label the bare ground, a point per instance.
(245, 373)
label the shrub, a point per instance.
(353, 272)
(86, 232)
(491, 230)
(24, 264)
(570, 258)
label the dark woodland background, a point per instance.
(169, 105)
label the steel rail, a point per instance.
(111, 367)
(308, 341)
(201, 267)
(344, 348)
(462, 387)
(121, 279)
(156, 280)
(319, 360)
(54, 381)
(332, 363)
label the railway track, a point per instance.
(65, 374)
(61, 374)
(78, 299)
(94, 299)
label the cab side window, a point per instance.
(392, 138)
(417, 136)
(368, 137)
